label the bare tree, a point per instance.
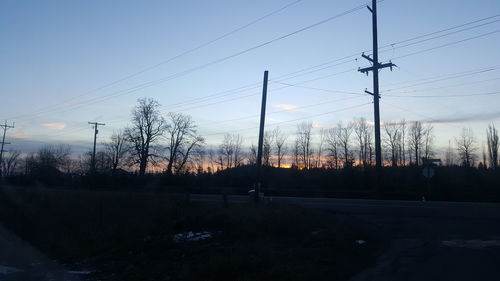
(267, 148)
(492, 141)
(319, 153)
(10, 162)
(402, 142)
(212, 159)
(304, 145)
(416, 141)
(147, 128)
(449, 155)
(466, 146)
(230, 151)
(364, 140)
(252, 157)
(392, 139)
(279, 142)
(103, 161)
(332, 145)
(182, 141)
(50, 158)
(296, 153)
(116, 149)
(428, 143)
(344, 139)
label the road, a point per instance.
(424, 240)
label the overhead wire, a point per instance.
(147, 84)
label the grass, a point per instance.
(127, 236)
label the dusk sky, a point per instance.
(65, 63)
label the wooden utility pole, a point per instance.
(96, 131)
(5, 127)
(261, 136)
(374, 68)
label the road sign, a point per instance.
(428, 172)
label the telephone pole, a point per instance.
(5, 127)
(261, 136)
(96, 131)
(376, 65)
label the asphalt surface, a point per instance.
(424, 240)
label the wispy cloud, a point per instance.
(286, 106)
(54, 126)
(20, 134)
(485, 116)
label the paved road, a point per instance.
(425, 240)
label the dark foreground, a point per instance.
(423, 240)
(279, 241)
(89, 235)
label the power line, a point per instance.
(191, 50)
(448, 86)
(148, 84)
(445, 96)
(449, 44)
(217, 61)
(444, 79)
(293, 120)
(277, 111)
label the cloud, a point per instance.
(20, 134)
(486, 116)
(285, 106)
(54, 126)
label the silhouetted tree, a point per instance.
(252, 156)
(332, 145)
(103, 161)
(279, 141)
(48, 161)
(319, 151)
(296, 153)
(10, 162)
(304, 144)
(392, 142)
(364, 140)
(267, 148)
(492, 141)
(402, 142)
(146, 129)
(416, 140)
(212, 159)
(344, 139)
(466, 146)
(182, 141)
(428, 144)
(116, 149)
(230, 151)
(449, 155)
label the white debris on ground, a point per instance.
(360, 242)
(471, 244)
(191, 236)
(5, 270)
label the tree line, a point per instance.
(171, 144)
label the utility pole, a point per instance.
(261, 136)
(376, 65)
(5, 127)
(96, 131)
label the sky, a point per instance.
(66, 63)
